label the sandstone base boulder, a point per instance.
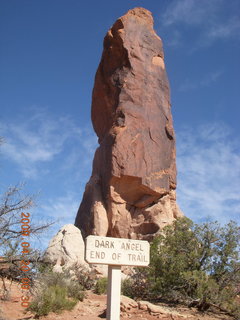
(66, 248)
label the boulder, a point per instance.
(159, 310)
(131, 193)
(66, 248)
(127, 304)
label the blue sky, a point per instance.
(50, 50)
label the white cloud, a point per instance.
(209, 19)
(209, 173)
(227, 30)
(41, 138)
(57, 151)
(209, 79)
(62, 210)
(190, 12)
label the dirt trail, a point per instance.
(93, 308)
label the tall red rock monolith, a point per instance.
(131, 193)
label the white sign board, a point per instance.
(117, 251)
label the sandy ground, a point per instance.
(93, 308)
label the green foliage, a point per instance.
(55, 292)
(138, 285)
(192, 263)
(127, 288)
(82, 275)
(54, 299)
(101, 286)
(75, 290)
(44, 268)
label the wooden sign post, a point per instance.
(116, 252)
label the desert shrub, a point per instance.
(101, 286)
(75, 290)
(51, 278)
(137, 286)
(126, 288)
(85, 277)
(44, 267)
(53, 299)
(55, 292)
(192, 263)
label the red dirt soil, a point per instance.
(93, 308)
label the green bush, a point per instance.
(82, 275)
(55, 292)
(75, 290)
(193, 264)
(137, 286)
(53, 299)
(127, 288)
(101, 286)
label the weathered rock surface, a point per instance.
(131, 192)
(157, 310)
(127, 304)
(66, 248)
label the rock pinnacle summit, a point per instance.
(132, 190)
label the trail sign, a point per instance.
(116, 252)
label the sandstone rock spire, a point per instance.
(131, 192)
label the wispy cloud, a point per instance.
(209, 19)
(189, 12)
(40, 138)
(209, 79)
(59, 209)
(209, 173)
(56, 152)
(62, 208)
(229, 30)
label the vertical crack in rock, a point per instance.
(131, 192)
